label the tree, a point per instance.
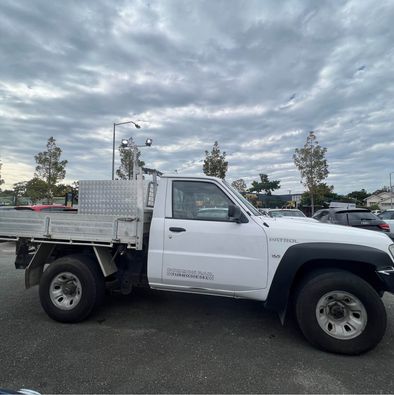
(312, 164)
(324, 194)
(19, 191)
(358, 196)
(61, 189)
(1, 180)
(252, 198)
(215, 163)
(125, 170)
(264, 185)
(50, 168)
(374, 207)
(36, 189)
(239, 185)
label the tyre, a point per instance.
(70, 288)
(339, 312)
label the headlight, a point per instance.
(391, 249)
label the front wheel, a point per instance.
(340, 312)
(70, 288)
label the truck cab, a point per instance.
(196, 245)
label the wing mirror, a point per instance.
(234, 213)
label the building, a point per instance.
(382, 199)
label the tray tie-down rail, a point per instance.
(115, 227)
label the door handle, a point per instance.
(177, 230)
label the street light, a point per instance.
(113, 143)
(391, 191)
(129, 143)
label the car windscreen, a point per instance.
(292, 214)
(275, 214)
(285, 213)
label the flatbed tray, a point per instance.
(71, 227)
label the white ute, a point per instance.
(201, 236)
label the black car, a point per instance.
(358, 217)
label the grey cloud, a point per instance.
(274, 67)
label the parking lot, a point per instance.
(172, 343)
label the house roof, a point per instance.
(379, 195)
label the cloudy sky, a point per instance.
(254, 75)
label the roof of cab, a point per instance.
(190, 176)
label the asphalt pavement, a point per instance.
(160, 342)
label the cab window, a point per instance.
(199, 201)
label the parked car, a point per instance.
(46, 207)
(358, 217)
(388, 217)
(286, 212)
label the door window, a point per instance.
(199, 201)
(321, 216)
(340, 218)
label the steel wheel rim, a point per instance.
(341, 315)
(65, 291)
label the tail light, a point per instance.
(384, 226)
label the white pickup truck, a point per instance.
(201, 236)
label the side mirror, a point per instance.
(234, 213)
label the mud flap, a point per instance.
(36, 266)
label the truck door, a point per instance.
(203, 248)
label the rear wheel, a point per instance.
(70, 288)
(340, 312)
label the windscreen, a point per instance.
(362, 216)
(285, 213)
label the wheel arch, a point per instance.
(302, 260)
(101, 256)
